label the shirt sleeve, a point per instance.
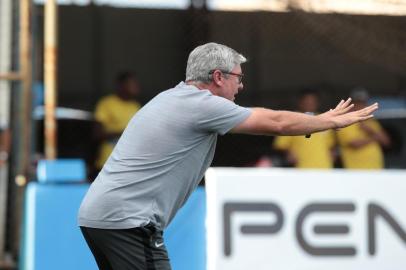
(219, 115)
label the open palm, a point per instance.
(343, 116)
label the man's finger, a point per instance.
(367, 110)
(347, 109)
(347, 102)
(363, 118)
(370, 109)
(339, 104)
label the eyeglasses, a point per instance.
(240, 76)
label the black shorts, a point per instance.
(128, 249)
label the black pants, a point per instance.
(129, 249)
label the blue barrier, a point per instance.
(185, 237)
(62, 170)
(52, 240)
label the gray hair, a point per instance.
(208, 57)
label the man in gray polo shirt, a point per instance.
(167, 147)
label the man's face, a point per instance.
(230, 84)
(131, 87)
(309, 103)
(359, 104)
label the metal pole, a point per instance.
(50, 77)
(22, 127)
(26, 79)
(6, 14)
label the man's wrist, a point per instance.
(329, 122)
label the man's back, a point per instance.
(159, 160)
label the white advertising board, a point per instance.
(287, 219)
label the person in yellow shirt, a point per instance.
(361, 144)
(314, 152)
(112, 114)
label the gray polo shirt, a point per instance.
(159, 159)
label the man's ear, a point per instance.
(217, 78)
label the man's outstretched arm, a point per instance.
(269, 122)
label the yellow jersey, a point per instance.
(313, 152)
(369, 156)
(114, 114)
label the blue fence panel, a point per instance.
(52, 240)
(185, 238)
(61, 170)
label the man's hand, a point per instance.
(342, 116)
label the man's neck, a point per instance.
(202, 86)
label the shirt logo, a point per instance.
(159, 244)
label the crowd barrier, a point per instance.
(52, 240)
(261, 218)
